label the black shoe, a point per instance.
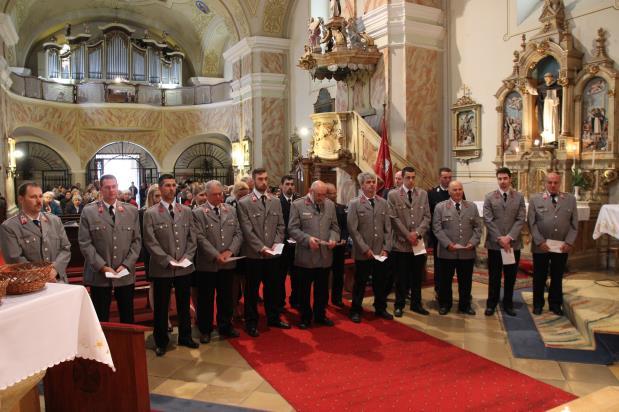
(509, 311)
(253, 332)
(304, 325)
(385, 315)
(537, 311)
(338, 303)
(205, 338)
(279, 324)
(443, 311)
(420, 309)
(229, 333)
(557, 310)
(160, 351)
(398, 312)
(489, 311)
(188, 343)
(325, 321)
(355, 317)
(468, 311)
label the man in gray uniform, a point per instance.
(313, 225)
(34, 236)
(170, 239)
(457, 227)
(369, 226)
(504, 215)
(219, 238)
(410, 220)
(110, 240)
(262, 222)
(552, 217)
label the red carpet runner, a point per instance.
(384, 365)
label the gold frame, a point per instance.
(469, 151)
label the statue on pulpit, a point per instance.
(335, 8)
(549, 95)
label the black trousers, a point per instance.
(464, 269)
(161, 295)
(337, 282)
(408, 276)
(380, 279)
(287, 267)
(541, 263)
(102, 299)
(208, 283)
(319, 277)
(495, 269)
(436, 261)
(265, 271)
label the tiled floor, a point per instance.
(217, 373)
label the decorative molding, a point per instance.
(255, 45)
(255, 85)
(406, 24)
(7, 30)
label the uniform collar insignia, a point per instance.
(161, 208)
(254, 198)
(308, 201)
(23, 219)
(44, 218)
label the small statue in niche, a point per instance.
(352, 35)
(313, 30)
(335, 8)
(367, 41)
(549, 96)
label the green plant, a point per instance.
(578, 178)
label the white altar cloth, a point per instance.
(608, 222)
(583, 210)
(42, 329)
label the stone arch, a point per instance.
(167, 164)
(149, 173)
(54, 142)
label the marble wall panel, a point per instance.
(430, 3)
(104, 117)
(271, 62)
(274, 142)
(341, 97)
(246, 65)
(423, 109)
(177, 125)
(373, 4)
(248, 119)
(378, 90)
(55, 119)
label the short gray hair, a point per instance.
(362, 177)
(209, 185)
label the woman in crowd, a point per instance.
(76, 206)
(51, 205)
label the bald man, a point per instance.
(552, 216)
(313, 225)
(457, 226)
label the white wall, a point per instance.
(480, 57)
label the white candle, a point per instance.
(593, 160)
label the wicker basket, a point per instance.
(3, 284)
(25, 277)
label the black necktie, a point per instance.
(289, 202)
(216, 210)
(111, 210)
(554, 199)
(171, 210)
(37, 222)
(372, 202)
(317, 208)
(458, 207)
(264, 200)
(505, 197)
(410, 196)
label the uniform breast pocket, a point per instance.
(98, 231)
(29, 243)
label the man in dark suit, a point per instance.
(339, 252)
(286, 197)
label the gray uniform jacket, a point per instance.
(408, 217)
(369, 227)
(549, 222)
(215, 234)
(504, 218)
(262, 226)
(462, 228)
(107, 243)
(305, 221)
(168, 239)
(23, 241)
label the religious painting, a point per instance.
(549, 100)
(467, 127)
(595, 115)
(512, 122)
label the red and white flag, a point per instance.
(383, 167)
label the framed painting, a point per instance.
(466, 132)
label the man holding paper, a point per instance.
(410, 219)
(457, 226)
(504, 215)
(170, 240)
(313, 225)
(219, 238)
(369, 226)
(553, 219)
(287, 196)
(262, 222)
(110, 240)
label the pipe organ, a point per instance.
(116, 55)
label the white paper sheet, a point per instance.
(182, 264)
(118, 275)
(277, 249)
(291, 241)
(233, 258)
(509, 258)
(458, 246)
(420, 249)
(380, 258)
(555, 245)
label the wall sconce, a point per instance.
(13, 156)
(241, 155)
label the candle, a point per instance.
(593, 160)
(503, 157)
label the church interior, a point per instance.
(309, 90)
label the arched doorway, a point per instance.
(203, 162)
(125, 160)
(42, 164)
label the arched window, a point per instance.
(203, 162)
(41, 164)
